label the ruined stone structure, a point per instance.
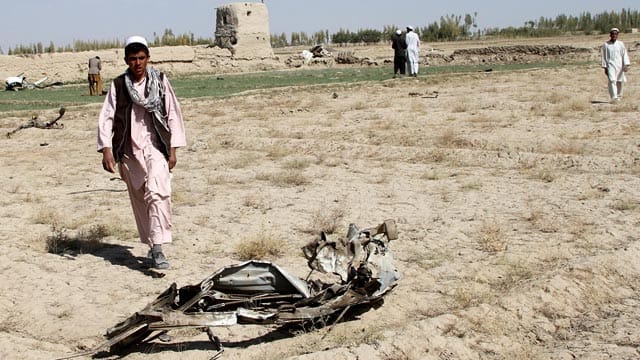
(243, 28)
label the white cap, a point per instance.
(614, 29)
(410, 27)
(135, 39)
(399, 32)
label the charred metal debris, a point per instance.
(260, 292)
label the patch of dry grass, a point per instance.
(544, 173)
(433, 175)
(513, 273)
(83, 241)
(297, 163)
(451, 139)
(256, 202)
(325, 219)
(278, 150)
(286, 178)
(262, 245)
(243, 160)
(492, 238)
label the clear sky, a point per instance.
(26, 22)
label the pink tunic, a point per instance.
(147, 172)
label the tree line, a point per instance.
(448, 28)
(168, 38)
(459, 27)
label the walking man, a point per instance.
(139, 128)
(615, 62)
(95, 82)
(399, 46)
(413, 51)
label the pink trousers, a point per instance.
(149, 184)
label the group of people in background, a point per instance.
(615, 59)
(406, 57)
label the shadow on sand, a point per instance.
(71, 247)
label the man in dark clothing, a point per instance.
(95, 82)
(399, 45)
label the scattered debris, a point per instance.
(319, 51)
(37, 123)
(20, 82)
(316, 55)
(347, 57)
(260, 292)
(427, 94)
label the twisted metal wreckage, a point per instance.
(259, 292)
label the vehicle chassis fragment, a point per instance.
(259, 292)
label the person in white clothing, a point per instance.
(413, 51)
(615, 62)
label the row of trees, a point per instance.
(449, 28)
(166, 39)
(458, 27)
(584, 23)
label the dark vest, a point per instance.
(121, 141)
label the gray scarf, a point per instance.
(153, 101)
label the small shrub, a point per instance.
(261, 246)
(297, 163)
(84, 241)
(285, 178)
(492, 238)
(325, 220)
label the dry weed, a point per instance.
(278, 151)
(347, 337)
(325, 219)
(450, 139)
(84, 241)
(545, 174)
(242, 161)
(297, 163)
(515, 272)
(538, 219)
(492, 238)
(474, 185)
(260, 246)
(255, 202)
(285, 178)
(428, 259)
(44, 215)
(433, 175)
(556, 97)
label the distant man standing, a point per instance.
(399, 46)
(139, 128)
(95, 82)
(413, 51)
(615, 62)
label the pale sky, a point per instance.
(26, 22)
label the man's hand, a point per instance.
(108, 162)
(172, 158)
(625, 68)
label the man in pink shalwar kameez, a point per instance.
(139, 128)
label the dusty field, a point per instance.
(516, 195)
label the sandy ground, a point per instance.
(516, 195)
